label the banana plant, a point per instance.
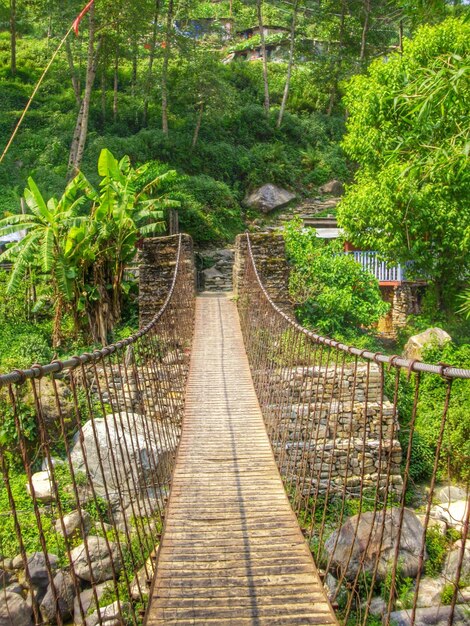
(129, 204)
(45, 226)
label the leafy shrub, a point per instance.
(332, 291)
(437, 544)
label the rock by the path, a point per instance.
(111, 615)
(430, 590)
(140, 580)
(101, 560)
(14, 611)
(417, 343)
(5, 578)
(139, 455)
(450, 493)
(65, 590)
(88, 602)
(15, 588)
(212, 272)
(42, 487)
(378, 606)
(452, 513)
(72, 523)
(410, 543)
(432, 616)
(333, 187)
(38, 572)
(268, 197)
(452, 562)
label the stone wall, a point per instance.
(324, 421)
(157, 267)
(403, 302)
(270, 257)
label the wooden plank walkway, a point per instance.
(232, 551)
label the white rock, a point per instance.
(42, 487)
(72, 523)
(140, 456)
(430, 590)
(453, 513)
(432, 336)
(101, 559)
(268, 197)
(111, 615)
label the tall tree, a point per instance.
(153, 46)
(81, 126)
(259, 10)
(408, 130)
(13, 37)
(166, 59)
(285, 95)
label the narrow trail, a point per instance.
(232, 550)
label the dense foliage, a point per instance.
(333, 292)
(81, 243)
(408, 130)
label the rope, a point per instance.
(377, 357)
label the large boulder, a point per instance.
(39, 571)
(333, 187)
(65, 591)
(87, 601)
(268, 197)
(111, 615)
(42, 487)
(453, 513)
(100, 566)
(74, 524)
(14, 610)
(450, 493)
(416, 344)
(452, 562)
(430, 590)
(432, 616)
(140, 457)
(366, 544)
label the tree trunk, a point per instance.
(337, 74)
(73, 73)
(13, 37)
(264, 55)
(134, 66)
(198, 125)
(166, 58)
(289, 65)
(81, 127)
(116, 84)
(103, 94)
(400, 35)
(153, 44)
(56, 329)
(365, 30)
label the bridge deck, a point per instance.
(232, 551)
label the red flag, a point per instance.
(76, 23)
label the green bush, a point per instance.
(333, 293)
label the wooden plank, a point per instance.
(232, 551)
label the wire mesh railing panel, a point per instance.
(87, 448)
(385, 520)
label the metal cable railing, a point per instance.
(350, 432)
(87, 448)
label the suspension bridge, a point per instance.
(223, 465)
